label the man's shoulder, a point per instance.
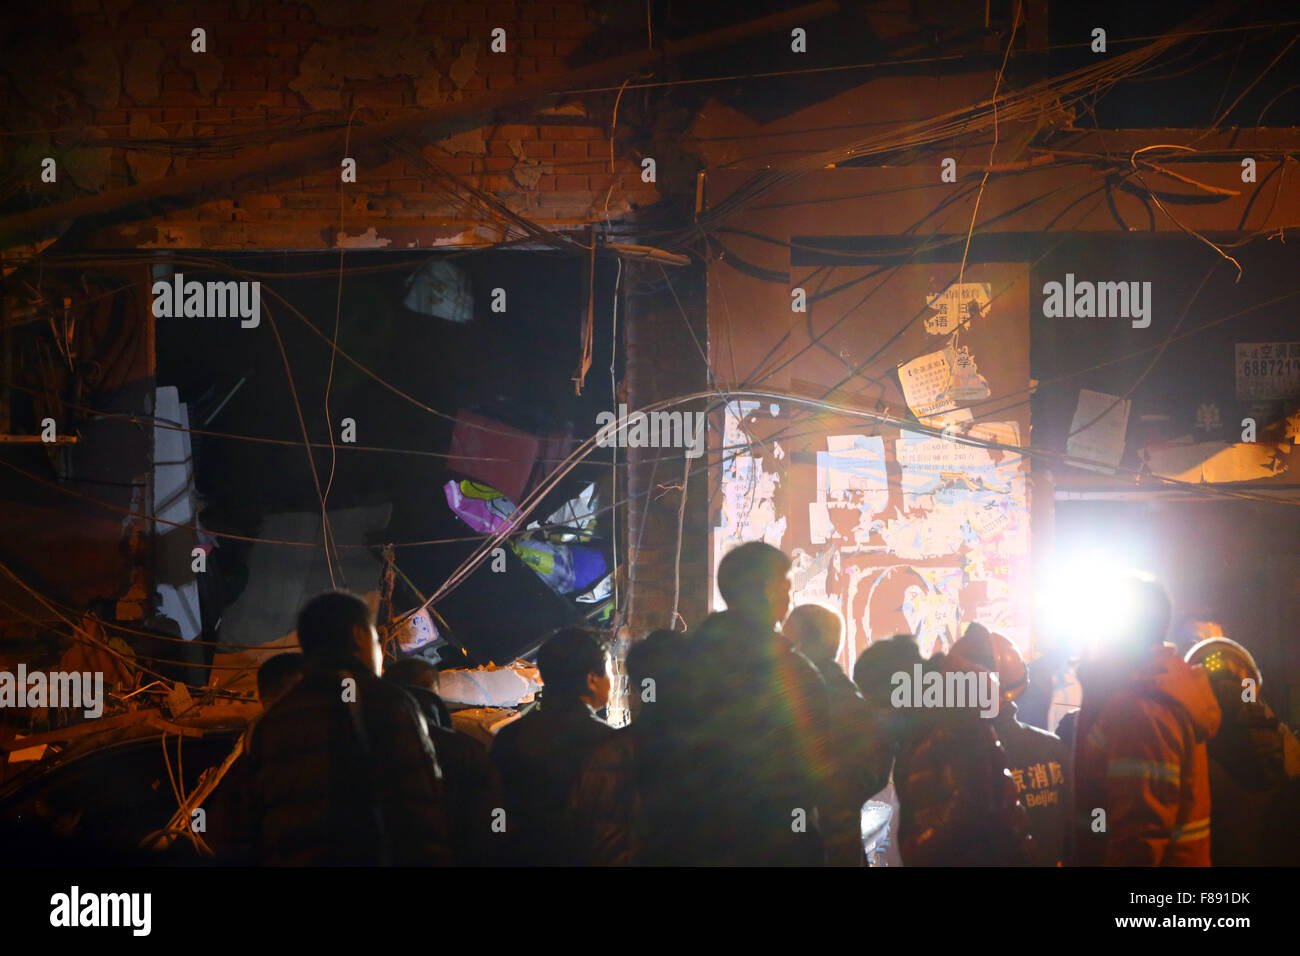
(510, 734)
(615, 749)
(1134, 715)
(300, 702)
(1136, 703)
(385, 701)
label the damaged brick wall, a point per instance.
(664, 360)
(116, 94)
(124, 99)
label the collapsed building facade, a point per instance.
(846, 271)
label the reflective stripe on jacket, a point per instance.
(1140, 759)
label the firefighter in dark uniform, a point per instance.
(1253, 760)
(1038, 760)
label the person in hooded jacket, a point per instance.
(630, 805)
(1037, 759)
(340, 769)
(473, 785)
(859, 750)
(1142, 785)
(957, 800)
(755, 744)
(541, 755)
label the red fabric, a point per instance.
(477, 437)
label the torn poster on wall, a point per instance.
(958, 305)
(912, 533)
(902, 531)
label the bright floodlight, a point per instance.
(1090, 601)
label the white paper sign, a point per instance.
(1099, 446)
(1267, 371)
(925, 382)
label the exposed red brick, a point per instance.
(394, 168)
(567, 200)
(470, 11)
(301, 30)
(175, 33)
(497, 164)
(261, 66)
(571, 149)
(379, 99)
(493, 63)
(181, 98)
(499, 184)
(208, 214)
(574, 30)
(570, 182)
(515, 131)
(239, 39)
(310, 201)
(423, 203)
(178, 81)
(244, 81)
(280, 11)
(495, 82)
(570, 132)
(259, 201)
(536, 46)
(459, 165)
(199, 162)
(250, 98)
